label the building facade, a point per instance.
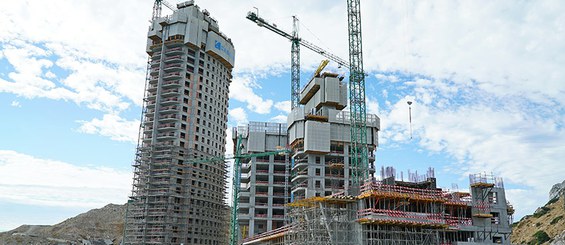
(264, 179)
(177, 198)
(319, 134)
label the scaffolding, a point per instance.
(395, 212)
(323, 220)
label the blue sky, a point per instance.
(486, 79)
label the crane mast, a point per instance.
(358, 111)
(295, 65)
(234, 224)
(157, 8)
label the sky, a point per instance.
(486, 78)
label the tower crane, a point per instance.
(358, 111)
(295, 52)
(157, 8)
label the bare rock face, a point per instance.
(546, 225)
(102, 226)
(557, 190)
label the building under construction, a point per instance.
(176, 199)
(323, 192)
(385, 210)
(264, 189)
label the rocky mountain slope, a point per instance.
(102, 226)
(546, 225)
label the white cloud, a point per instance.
(279, 119)
(239, 115)
(16, 103)
(387, 78)
(50, 75)
(97, 85)
(283, 106)
(241, 89)
(29, 180)
(112, 126)
(105, 34)
(503, 136)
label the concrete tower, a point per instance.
(319, 134)
(264, 180)
(176, 200)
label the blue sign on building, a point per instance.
(218, 45)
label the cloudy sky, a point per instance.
(487, 79)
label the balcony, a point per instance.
(150, 104)
(166, 126)
(170, 92)
(154, 63)
(153, 79)
(172, 75)
(148, 121)
(171, 67)
(171, 84)
(170, 135)
(298, 165)
(299, 177)
(154, 71)
(151, 96)
(174, 51)
(152, 88)
(300, 185)
(173, 59)
(168, 109)
(169, 118)
(170, 101)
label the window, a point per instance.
(318, 172)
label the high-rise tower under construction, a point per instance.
(175, 199)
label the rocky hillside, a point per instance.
(546, 225)
(102, 226)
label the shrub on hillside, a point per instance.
(555, 220)
(541, 211)
(539, 238)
